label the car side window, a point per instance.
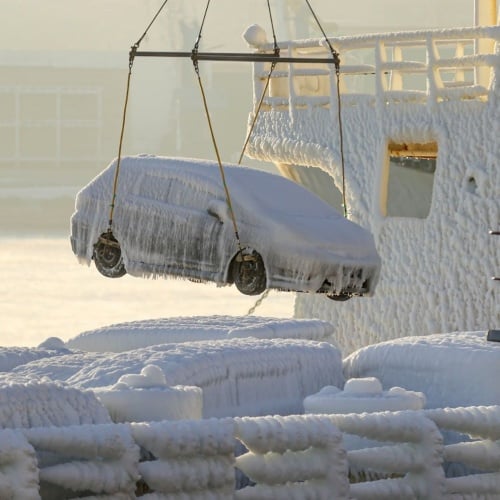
(152, 187)
(190, 195)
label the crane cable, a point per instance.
(194, 58)
(264, 90)
(108, 237)
(336, 61)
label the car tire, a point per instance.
(108, 257)
(249, 273)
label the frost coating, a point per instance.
(171, 219)
(194, 459)
(97, 458)
(43, 403)
(292, 457)
(18, 467)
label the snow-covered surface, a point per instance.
(171, 218)
(137, 334)
(453, 369)
(238, 376)
(435, 271)
(298, 455)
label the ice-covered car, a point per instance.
(171, 218)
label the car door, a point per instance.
(197, 232)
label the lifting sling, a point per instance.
(195, 55)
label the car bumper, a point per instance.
(329, 277)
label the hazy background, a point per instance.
(62, 85)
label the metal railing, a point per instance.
(420, 66)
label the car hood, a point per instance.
(295, 216)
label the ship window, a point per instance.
(408, 180)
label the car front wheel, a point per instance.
(249, 273)
(108, 257)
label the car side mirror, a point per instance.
(218, 209)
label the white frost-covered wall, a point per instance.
(436, 270)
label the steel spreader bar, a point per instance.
(234, 56)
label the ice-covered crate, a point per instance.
(451, 369)
(172, 218)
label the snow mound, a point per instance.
(451, 369)
(238, 376)
(136, 334)
(45, 403)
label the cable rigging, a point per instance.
(107, 241)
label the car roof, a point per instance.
(248, 187)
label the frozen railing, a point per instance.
(420, 66)
(194, 458)
(100, 459)
(292, 457)
(483, 453)
(414, 455)
(285, 457)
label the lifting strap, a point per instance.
(212, 134)
(336, 61)
(132, 53)
(194, 58)
(266, 86)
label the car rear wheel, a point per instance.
(342, 297)
(108, 257)
(249, 273)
